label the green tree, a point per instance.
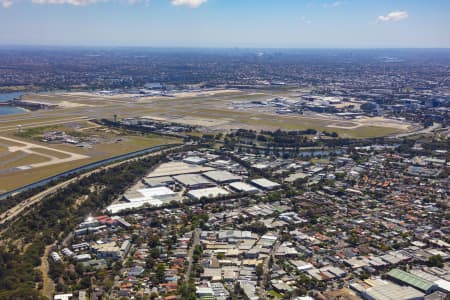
(160, 272)
(436, 261)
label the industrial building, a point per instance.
(156, 197)
(159, 193)
(177, 168)
(212, 192)
(297, 176)
(442, 284)
(195, 160)
(222, 177)
(242, 187)
(193, 181)
(158, 181)
(116, 208)
(412, 280)
(391, 291)
(265, 184)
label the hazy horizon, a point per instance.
(262, 24)
(87, 46)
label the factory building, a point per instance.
(412, 280)
(222, 177)
(242, 187)
(116, 208)
(158, 181)
(195, 160)
(391, 291)
(212, 192)
(193, 181)
(265, 184)
(177, 168)
(159, 193)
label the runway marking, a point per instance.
(28, 148)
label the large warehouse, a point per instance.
(159, 193)
(151, 197)
(116, 208)
(242, 187)
(212, 192)
(265, 184)
(177, 168)
(158, 181)
(193, 181)
(412, 280)
(222, 177)
(390, 291)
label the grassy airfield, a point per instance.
(211, 110)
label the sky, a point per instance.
(227, 23)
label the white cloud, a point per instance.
(6, 3)
(190, 3)
(394, 16)
(71, 2)
(305, 20)
(332, 5)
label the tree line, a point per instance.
(53, 218)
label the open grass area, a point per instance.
(9, 143)
(30, 158)
(10, 157)
(275, 294)
(76, 129)
(37, 131)
(128, 144)
(249, 97)
(366, 131)
(267, 121)
(17, 179)
(132, 143)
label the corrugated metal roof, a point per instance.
(411, 279)
(390, 291)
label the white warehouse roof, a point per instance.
(212, 192)
(265, 183)
(116, 208)
(193, 180)
(222, 176)
(176, 168)
(391, 291)
(243, 187)
(159, 193)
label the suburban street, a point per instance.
(195, 242)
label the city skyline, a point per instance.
(227, 24)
